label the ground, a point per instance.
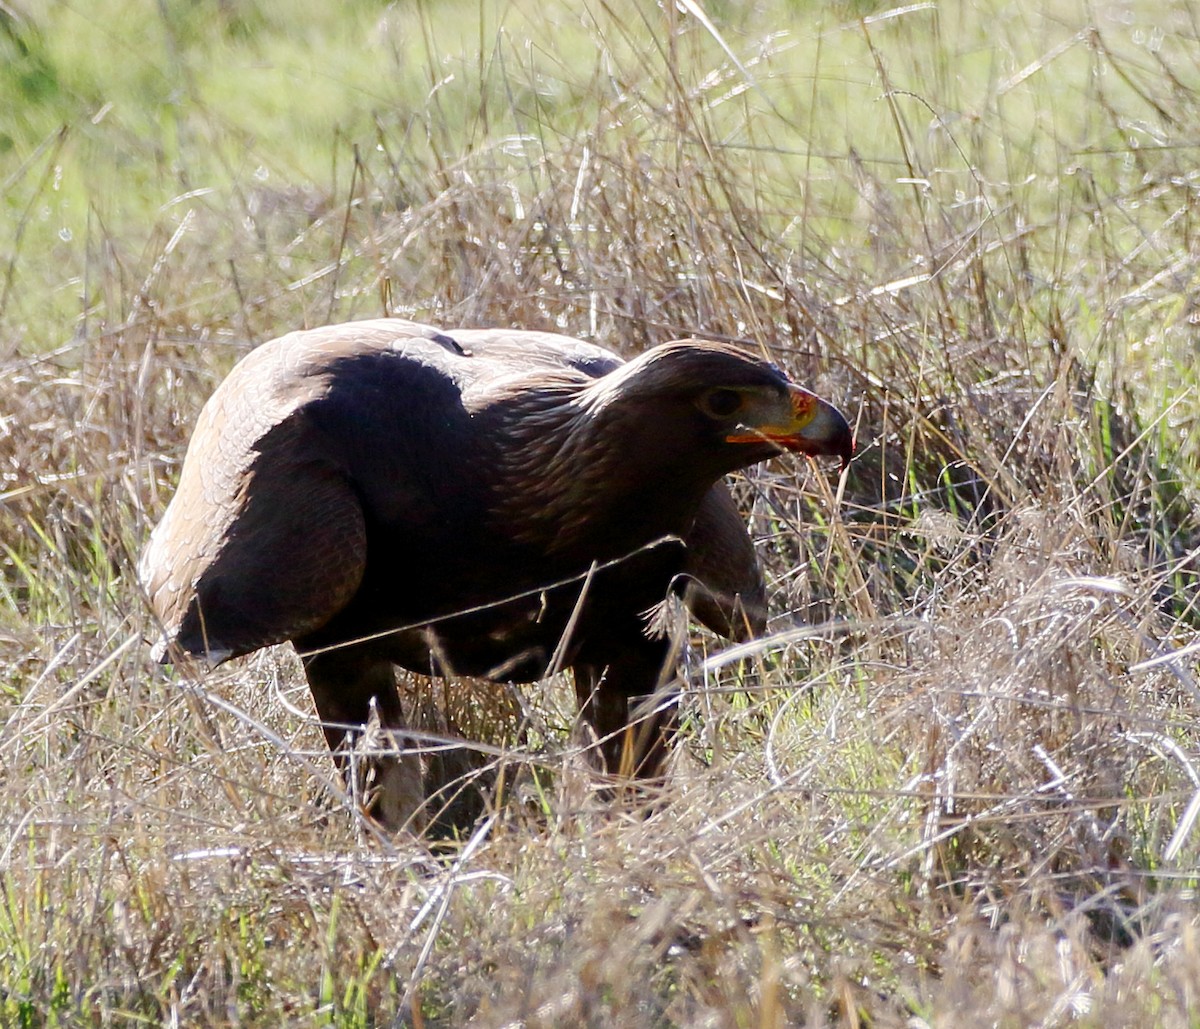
(956, 783)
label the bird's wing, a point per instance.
(309, 438)
(725, 590)
(272, 560)
(265, 537)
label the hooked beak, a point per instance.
(815, 428)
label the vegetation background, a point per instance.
(958, 782)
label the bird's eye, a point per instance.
(721, 403)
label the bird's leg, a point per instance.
(344, 683)
(610, 699)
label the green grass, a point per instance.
(953, 784)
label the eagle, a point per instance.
(494, 503)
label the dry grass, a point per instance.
(958, 782)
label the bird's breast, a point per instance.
(507, 622)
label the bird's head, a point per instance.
(637, 448)
(726, 402)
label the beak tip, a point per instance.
(839, 437)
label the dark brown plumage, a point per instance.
(480, 502)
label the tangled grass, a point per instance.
(958, 781)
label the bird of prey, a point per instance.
(482, 502)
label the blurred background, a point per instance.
(959, 778)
